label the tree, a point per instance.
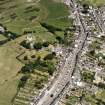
(92, 52)
(101, 85)
(51, 28)
(38, 84)
(23, 81)
(46, 44)
(38, 46)
(33, 56)
(27, 68)
(85, 8)
(25, 45)
(50, 56)
(88, 76)
(60, 39)
(25, 58)
(51, 67)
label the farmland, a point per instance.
(20, 17)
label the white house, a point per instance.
(2, 29)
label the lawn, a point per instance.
(55, 9)
(57, 13)
(21, 15)
(2, 37)
(101, 95)
(94, 2)
(8, 90)
(72, 100)
(18, 14)
(97, 99)
(9, 67)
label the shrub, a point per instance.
(38, 84)
(51, 28)
(38, 46)
(51, 67)
(88, 76)
(50, 56)
(60, 39)
(46, 44)
(25, 45)
(92, 52)
(33, 56)
(25, 58)
(23, 81)
(27, 68)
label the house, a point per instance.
(2, 29)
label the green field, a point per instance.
(18, 14)
(93, 2)
(57, 14)
(55, 9)
(17, 17)
(2, 37)
(42, 34)
(101, 95)
(9, 67)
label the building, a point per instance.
(2, 29)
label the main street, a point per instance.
(50, 96)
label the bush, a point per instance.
(39, 64)
(33, 56)
(38, 46)
(92, 52)
(50, 56)
(32, 18)
(101, 85)
(61, 41)
(51, 28)
(12, 35)
(88, 76)
(27, 68)
(46, 44)
(85, 8)
(51, 68)
(25, 58)
(25, 45)
(38, 84)
(23, 81)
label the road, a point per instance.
(50, 96)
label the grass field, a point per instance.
(2, 37)
(9, 67)
(42, 34)
(94, 2)
(57, 13)
(101, 95)
(17, 15)
(55, 9)
(20, 16)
